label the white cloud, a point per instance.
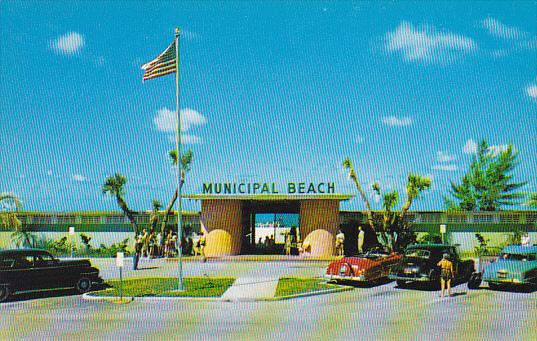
(359, 139)
(79, 178)
(396, 121)
(166, 119)
(470, 147)
(446, 168)
(444, 157)
(531, 90)
(426, 44)
(500, 30)
(68, 44)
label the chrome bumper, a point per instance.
(410, 279)
(346, 278)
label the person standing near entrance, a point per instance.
(446, 275)
(203, 242)
(340, 239)
(361, 236)
(287, 244)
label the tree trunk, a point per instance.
(367, 205)
(130, 215)
(171, 203)
(406, 207)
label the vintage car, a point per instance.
(369, 267)
(516, 265)
(419, 264)
(32, 270)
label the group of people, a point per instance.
(151, 245)
(340, 242)
(267, 244)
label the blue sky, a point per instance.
(270, 92)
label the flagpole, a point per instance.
(179, 161)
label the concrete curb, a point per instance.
(88, 296)
(257, 258)
(311, 293)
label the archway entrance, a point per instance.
(234, 223)
(268, 225)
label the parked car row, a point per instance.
(516, 265)
(35, 270)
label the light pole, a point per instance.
(442, 231)
(71, 234)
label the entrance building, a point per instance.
(232, 227)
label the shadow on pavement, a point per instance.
(146, 268)
(433, 286)
(27, 296)
(514, 289)
(367, 284)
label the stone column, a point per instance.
(318, 226)
(221, 221)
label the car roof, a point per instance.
(21, 251)
(521, 249)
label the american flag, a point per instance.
(163, 65)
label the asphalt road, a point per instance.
(382, 312)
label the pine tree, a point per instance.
(489, 183)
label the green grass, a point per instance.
(300, 285)
(166, 286)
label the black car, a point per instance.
(33, 269)
(420, 264)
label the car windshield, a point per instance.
(517, 256)
(418, 253)
(376, 253)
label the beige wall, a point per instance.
(221, 220)
(319, 221)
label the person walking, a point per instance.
(137, 252)
(361, 236)
(446, 274)
(340, 239)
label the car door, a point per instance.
(46, 271)
(25, 274)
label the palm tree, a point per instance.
(415, 185)
(114, 186)
(9, 219)
(186, 161)
(24, 238)
(347, 164)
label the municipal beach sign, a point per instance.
(268, 188)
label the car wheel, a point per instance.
(83, 285)
(474, 281)
(4, 293)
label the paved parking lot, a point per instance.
(374, 313)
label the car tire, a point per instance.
(5, 292)
(83, 285)
(474, 281)
(494, 286)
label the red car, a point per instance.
(369, 267)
